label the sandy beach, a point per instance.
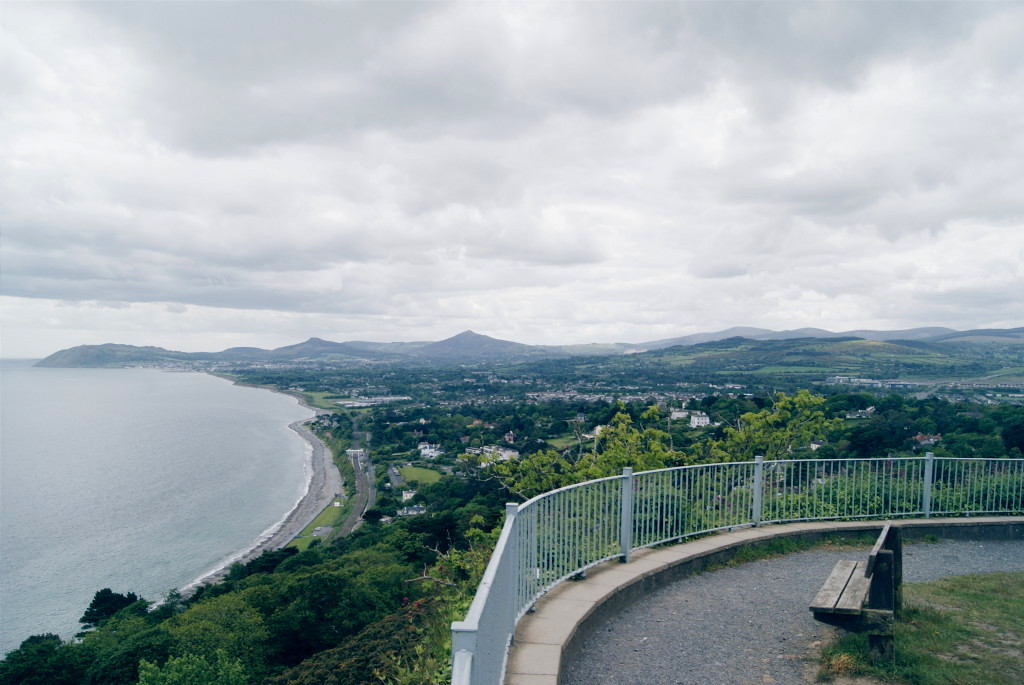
(324, 486)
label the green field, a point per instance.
(424, 476)
(331, 516)
(821, 371)
(322, 400)
(562, 442)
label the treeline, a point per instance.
(798, 426)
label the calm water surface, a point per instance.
(134, 479)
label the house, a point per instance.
(699, 419)
(925, 440)
(414, 510)
(428, 451)
(408, 495)
(860, 413)
(510, 437)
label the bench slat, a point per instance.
(829, 594)
(856, 591)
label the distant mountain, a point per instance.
(1011, 336)
(319, 349)
(932, 334)
(111, 355)
(471, 346)
(474, 347)
(816, 359)
(698, 338)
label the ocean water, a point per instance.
(134, 479)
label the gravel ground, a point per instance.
(750, 623)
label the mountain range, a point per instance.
(474, 347)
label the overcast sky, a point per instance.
(199, 176)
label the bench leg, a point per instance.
(880, 646)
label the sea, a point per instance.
(138, 480)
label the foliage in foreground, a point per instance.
(966, 629)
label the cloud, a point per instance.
(554, 172)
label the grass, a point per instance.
(330, 516)
(424, 476)
(954, 631)
(562, 442)
(323, 400)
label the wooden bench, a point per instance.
(864, 596)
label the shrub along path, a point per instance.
(750, 623)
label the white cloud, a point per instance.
(550, 173)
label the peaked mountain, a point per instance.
(470, 345)
(318, 348)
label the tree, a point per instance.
(225, 623)
(791, 422)
(42, 660)
(105, 603)
(192, 669)
(619, 445)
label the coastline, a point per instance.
(323, 485)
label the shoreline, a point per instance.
(323, 485)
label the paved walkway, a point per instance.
(750, 624)
(548, 639)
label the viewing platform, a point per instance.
(530, 611)
(548, 639)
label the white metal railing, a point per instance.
(560, 533)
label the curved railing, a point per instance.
(558, 534)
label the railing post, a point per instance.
(463, 649)
(626, 514)
(755, 514)
(926, 503)
(511, 511)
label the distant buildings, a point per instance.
(699, 419)
(869, 382)
(493, 454)
(428, 451)
(861, 413)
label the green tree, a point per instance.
(192, 669)
(791, 422)
(619, 445)
(226, 623)
(42, 660)
(105, 603)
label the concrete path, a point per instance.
(548, 639)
